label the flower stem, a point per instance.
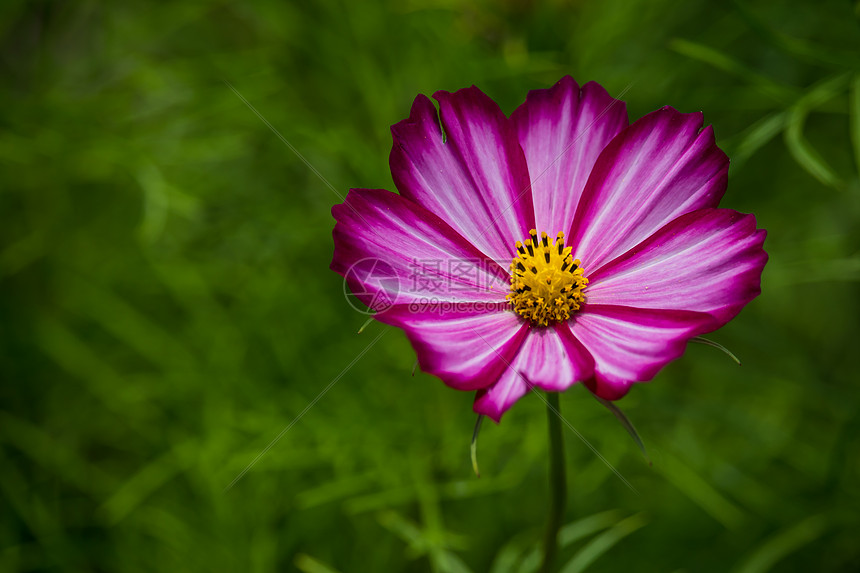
(557, 482)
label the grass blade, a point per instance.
(800, 48)
(854, 111)
(784, 543)
(570, 534)
(725, 63)
(307, 564)
(797, 144)
(744, 145)
(701, 492)
(603, 543)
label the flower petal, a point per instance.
(632, 344)
(562, 131)
(466, 347)
(552, 359)
(709, 260)
(498, 398)
(549, 358)
(475, 179)
(661, 167)
(392, 251)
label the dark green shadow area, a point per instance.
(167, 310)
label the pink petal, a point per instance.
(632, 344)
(468, 347)
(476, 180)
(562, 130)
(661, 167)
(706, 261)
(549, 358)
(392, 251)
(552, 359)
(498, 398)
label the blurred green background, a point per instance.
(167, 310)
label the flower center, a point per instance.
(546, 285)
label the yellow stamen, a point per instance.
(546, 285)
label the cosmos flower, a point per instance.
(555, 246)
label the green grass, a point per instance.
(167, 310)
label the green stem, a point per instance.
(557, 482)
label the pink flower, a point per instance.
(630, 259)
